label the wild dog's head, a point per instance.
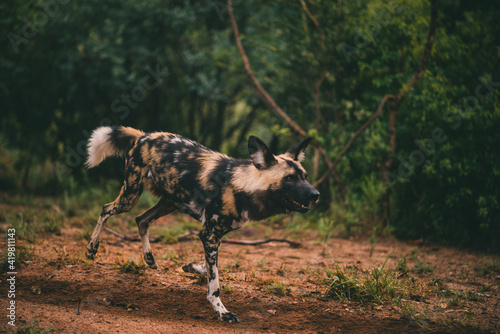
(287, 186)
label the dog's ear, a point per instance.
(296, 152)
(261, 155)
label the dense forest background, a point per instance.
(428, 166)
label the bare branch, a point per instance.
(260, 242)
(353, 138)
(397, 99)
(267, 98)
(187, 236)
(425, 56)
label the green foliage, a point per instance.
(131, 266)
(279, 288)
(327, 64)
(377, 285)
(422, 267)
(488, 267)
(31, 328)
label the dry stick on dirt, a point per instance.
(187, 236)
(267, 98)
(394, 109)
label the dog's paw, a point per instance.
(92, 250)
(228, 317)
(195, 268)
(150, 260)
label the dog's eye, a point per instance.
(290, 178)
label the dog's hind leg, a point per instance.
(161, 208)
(128, 197)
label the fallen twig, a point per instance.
(124, 237)
(260, 242)
(187, 236)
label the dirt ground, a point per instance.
(68, 294)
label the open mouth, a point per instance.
(296, 206)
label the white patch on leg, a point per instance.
(195, 268)
(146, 246)
(213, 286)
(96, 235)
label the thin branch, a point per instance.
(397, 99)
(405, 91)
(425, 56)
(187, 236)
(267, 98)
(353, 138)
(260, 242)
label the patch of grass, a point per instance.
(25, 226)
(130, 266)
(232, 266)
(422, 267)
(22, 254)
(52, 222)
(279, 288)
(379, 285)
(227, 288)
(458, 298)
(282, 270)
(488, 267)
(32, 328)
(440, 287)
(64, 258)
(261, 262)
(343, 284)
(402, 267)
(325, 228)
(173, 256)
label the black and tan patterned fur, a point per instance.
(221, 192)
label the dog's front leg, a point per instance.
(211, 242)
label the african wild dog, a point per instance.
(221, 192)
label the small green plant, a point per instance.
(227, 288)
(343, 284)
(172, 256)
(25, 226)
(422, 267)
(373, 240)
(22, 254)
(282, 270)
(232, 266)
(375, 284)
(279, 288)
(488, 267)
(131, 266)
(325, 227)
(402, 267)
(33, 328)
(440, 287)
(380, 284)
(261, 262)
(54, 224)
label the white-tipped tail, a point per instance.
(99, 146)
